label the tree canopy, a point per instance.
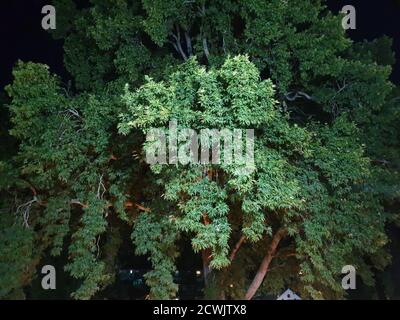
(325, 115)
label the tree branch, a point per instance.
(142, 208)
(263, 269)
(101, 186)
(205, 48)
(204, 39)
(25, 209)
(188, 44)
(77, 202)
(177, 44)
(236, 248)
(291, 96)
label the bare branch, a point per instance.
(77, 202)
(25, 210)
(101, 186)
(177, 44)
(236, 248)
(188, 44)
(202, 10)
(291, 96)
(72, 111)
(140, 207)
(205, 48)
(98, 247)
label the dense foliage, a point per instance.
(325, 181)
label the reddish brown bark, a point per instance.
(263, 269)
(236, 248)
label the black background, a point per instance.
(22, 36)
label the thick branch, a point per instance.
(204, 39)
(263, 269)
(236, 248)
(188, 44)
(177, 44)
(205, 48)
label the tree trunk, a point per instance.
(263, 269)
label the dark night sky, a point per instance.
(23, 38)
